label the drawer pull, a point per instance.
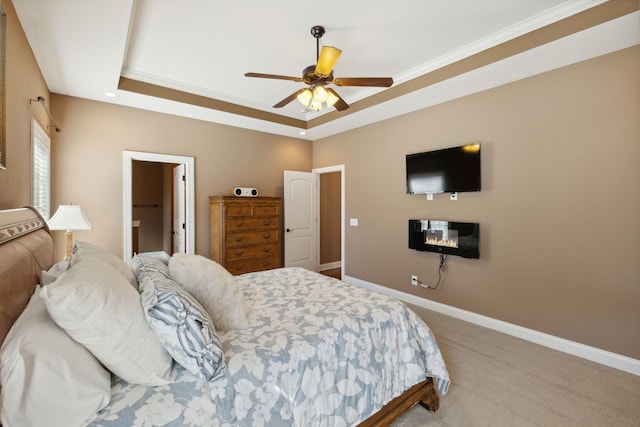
(238, 267)
(238, 223)
(266, 263)
(238, 238)
(266, 249)
(266, 222)
(239, 252)
(266, 235)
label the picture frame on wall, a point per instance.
(3, 133)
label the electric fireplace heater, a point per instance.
(445, 237)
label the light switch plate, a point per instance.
(353, 222)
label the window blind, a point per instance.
(40, 170)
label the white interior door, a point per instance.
(301, 220)
(179, 210)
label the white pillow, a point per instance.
(48, 379)
(83, 250)
(213, 287)
(97, 307)
(50, 276)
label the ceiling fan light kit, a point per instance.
(317, 96)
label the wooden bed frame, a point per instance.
(423, 393)
(26, 249)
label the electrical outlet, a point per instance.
(414, 280)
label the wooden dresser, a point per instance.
(246, 233)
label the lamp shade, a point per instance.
(305, 97)
(320, 94)
(69, 217)
(328, 57)
(332, 98)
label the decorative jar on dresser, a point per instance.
(246, 233)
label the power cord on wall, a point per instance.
(441, 269)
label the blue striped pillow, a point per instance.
(141, 263)
(181, 324)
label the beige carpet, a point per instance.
(498, 380)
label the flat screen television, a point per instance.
(449, 170)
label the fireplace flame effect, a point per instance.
(442, 242)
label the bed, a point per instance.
(314, 351)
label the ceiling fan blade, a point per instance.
(327, 60)
(273, 76)
(340, 104)
(288, 99)
(363, 81)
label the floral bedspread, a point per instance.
(319, 352)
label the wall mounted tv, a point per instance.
(449, 170)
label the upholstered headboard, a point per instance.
(26, 248)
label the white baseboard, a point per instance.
(330, 265)
(594, 354)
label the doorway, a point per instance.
(332, 209)
(330, 231)
(303, 210)
(185, 197)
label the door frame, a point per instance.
(127, 206)
(178, 207)
(330, 169)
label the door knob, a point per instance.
(288, 230)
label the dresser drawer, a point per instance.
(244, 252)
(257, 264)
(252, 210)
(252, 237)
(252, 223)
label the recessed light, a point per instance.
(110, 94)
(302, 132)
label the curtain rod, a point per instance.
(40, 99)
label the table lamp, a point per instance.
(69, 218)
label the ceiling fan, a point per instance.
(319, 75)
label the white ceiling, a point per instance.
(204, 47)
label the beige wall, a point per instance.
(559, 208)
(23, 82)
(88, 159)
